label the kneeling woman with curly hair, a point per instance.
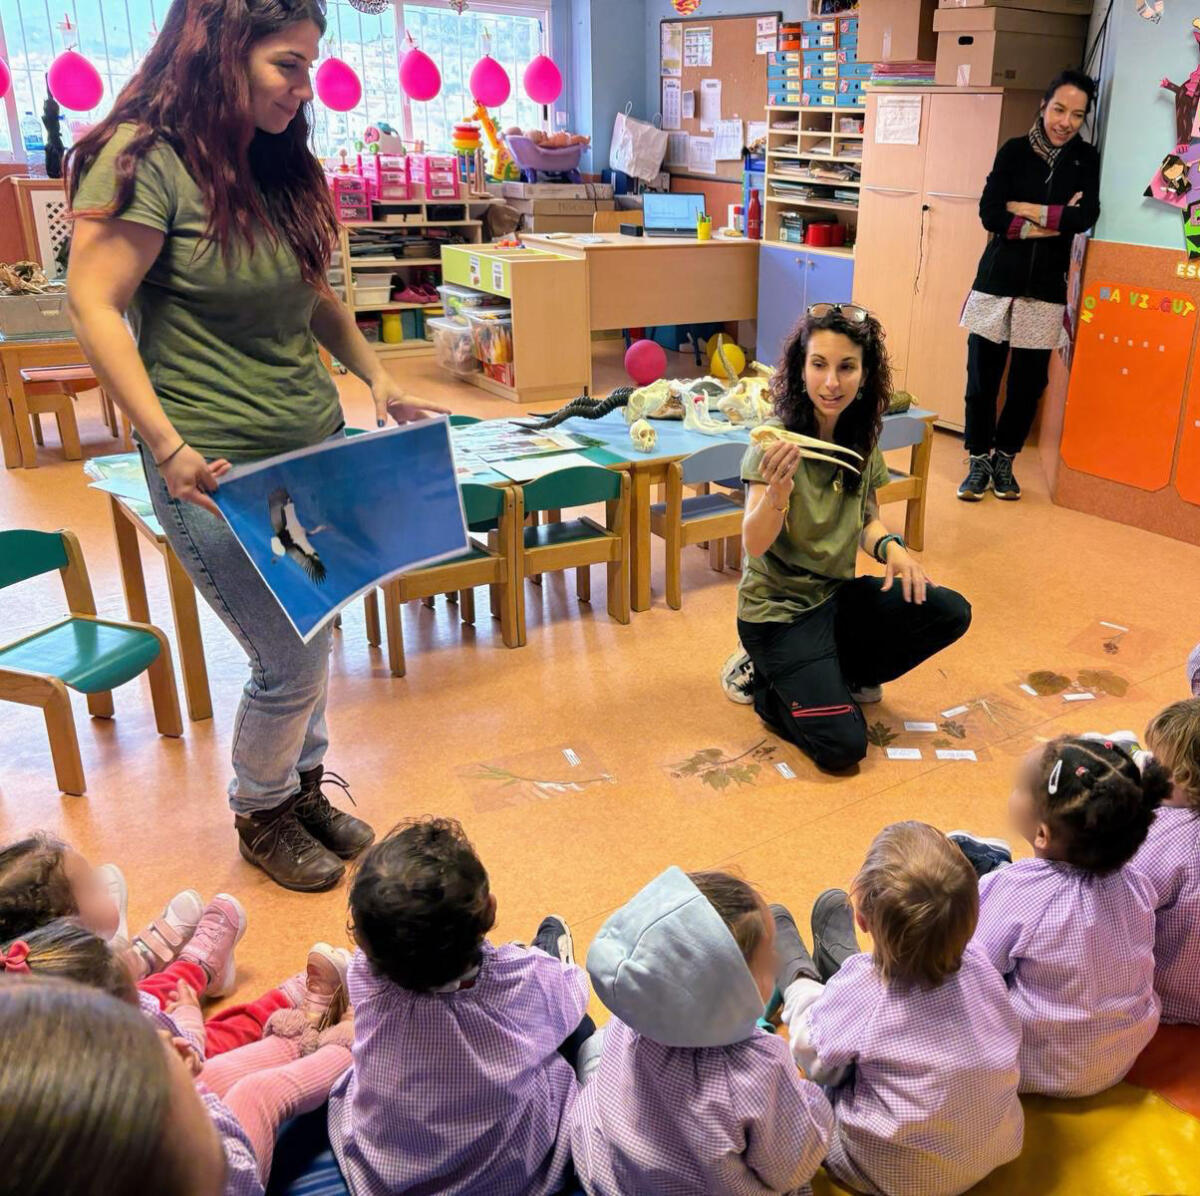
(819, 642)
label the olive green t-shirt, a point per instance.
(227, 345)
(817, 546)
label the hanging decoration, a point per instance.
(543, 80)
(458, 6)
(685, 7)
(337, 85)
(419, 75)
(74, 82)
(5, 78)
(371, 8)
(489, 83)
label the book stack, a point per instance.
(902, 74)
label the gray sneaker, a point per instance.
(1004, 484)
(737, 678)
(834, 940)
(867, 695)
(978, 480)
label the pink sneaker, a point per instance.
(212, 944)
(161, 942)
(325, 985)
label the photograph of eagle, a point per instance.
(291, 537)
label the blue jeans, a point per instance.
(280, 729)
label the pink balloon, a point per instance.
(543, 80)
(337, 85)
(419, 75)
(645, 362)
(5, 78)
(74, 82)
(490, 84)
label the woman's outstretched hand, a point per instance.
(190, 478)
(914, 581)
(390, 399)
(778, 468)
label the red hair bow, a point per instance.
(15, 958)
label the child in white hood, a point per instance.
(690, 1096)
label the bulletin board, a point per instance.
(742, 73)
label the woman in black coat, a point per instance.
(1044, 188)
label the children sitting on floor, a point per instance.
(260, 1085)
(1072, 930)
(458, 1083)
(689, 1094)
(1170, 859)
(918, 1041)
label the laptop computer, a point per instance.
(671, 215)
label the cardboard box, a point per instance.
(824, 70)
(827, 25)
(896, 31)
(559, 207)
(556, 224)
(812, 56)
(549, 190)
(1078, 8)
(1005, 47)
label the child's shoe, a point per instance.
(834, 940)
(985, 855)
(325, 985)
(218, 932)
(113, 879)
(554, 937)
(161, 942)
(792, 955)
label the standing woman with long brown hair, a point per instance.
(201, 212)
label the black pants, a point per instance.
(1027, 377)
(803, 671)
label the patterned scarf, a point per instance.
(1042, 145)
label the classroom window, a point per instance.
(455, 42)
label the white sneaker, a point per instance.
(867, 695)
(737, 678)
(161, 942)
(113, 880)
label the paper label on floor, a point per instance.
(1079, 697)
(1027, 688)
(785, 770)
(904, 753)
(571, 758)
(1114, 626)
(913, 726)
(954, 710)
(950, 754)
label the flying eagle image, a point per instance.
(291, 538)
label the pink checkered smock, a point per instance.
(463, 1091)
(930, 1105)
(1170, 860)
(1077, 951)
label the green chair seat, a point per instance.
(464, 558)
(548, 535)
(89, 657)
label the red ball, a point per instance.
(645, 362)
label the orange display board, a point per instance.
(1132, 351)
(1187, 472)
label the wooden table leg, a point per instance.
(639, 573)
(187, 632)
(8, 428)
(133, 578)
(20, 414)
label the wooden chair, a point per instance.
(708, 518)
(909, 430)
(577, 543)
(493, 563)
(89, 655)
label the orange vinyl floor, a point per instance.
(479, 732)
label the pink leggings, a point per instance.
(270, 1082)
(232, 1027)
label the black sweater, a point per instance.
(1036, 268)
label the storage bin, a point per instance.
(783, 58)
(821, 70)
(827, 25)
(456, 299)
(1004, 47)
(31, 316)
(819, 55)
(453, 345)
(491, 332)
(371, 288)
(370, 329)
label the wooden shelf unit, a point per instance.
(813, 127)
(414, 217)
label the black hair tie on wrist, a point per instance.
(174, 453)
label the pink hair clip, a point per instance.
(15, 958)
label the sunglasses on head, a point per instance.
(848, 311)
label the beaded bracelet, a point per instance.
(880, 550)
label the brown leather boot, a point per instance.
(275, 841)
(342, 833)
